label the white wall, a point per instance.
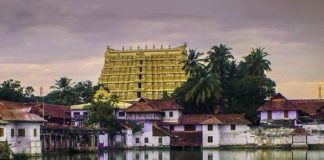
(239, 136)
(277, 115)
(174, 118)
(215, 133)
(28, 144)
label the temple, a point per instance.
(131, 74)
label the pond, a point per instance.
(192, 155)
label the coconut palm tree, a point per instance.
(255, 63)
(192, 66)
(63, 88)
(219, 59)
(203, 90)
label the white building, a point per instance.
(164, 125)
(21, 128)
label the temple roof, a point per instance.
(232, 119)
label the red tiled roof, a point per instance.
(142, 106)
(308, 106)
(165, 104)
(58, 111)
(14, 111)
(186, 138)
(278, 103)
(232, 119)
(148, 105)
(188, 119)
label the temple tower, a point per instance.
(134, 73)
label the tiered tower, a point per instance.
(132, 74)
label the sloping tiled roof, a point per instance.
(14, 111)
(308, 106)
(159, 131)
(278, 103)
(186, 138)
(148, 105)
(165, 104)
(232, 119)
(191, 119)
(58, 111)
(143, 106)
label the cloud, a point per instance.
(42, 40)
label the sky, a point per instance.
(43, 40)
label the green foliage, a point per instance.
(66, 92)
(224, 85)
(166, 96)
(102, 115)
(135, 126)
(5, 150)
(11, 90)
(200, 92)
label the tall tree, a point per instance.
(11, 90)
(192, 65)
(255, 63)
(85, 91)
(219, 59)
(29, 91)
(63, 92)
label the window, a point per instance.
(233, 126)
(35, 132)
(139, 94)
(140, 77)
(170, 114)
(140, 68)
(190, 128)
(171, 128)
(141, 62)
(163, 114)
(210, 139)
(146, 140)
(286, 114)
(137, 140)
(1, 132)
(12, 132)
(21, 132)
(76, 113)
(160, 140)
(139, 85)
(121, 114)
(85, 113)
(269, 115)
(210, 127)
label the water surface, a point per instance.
(193, 155)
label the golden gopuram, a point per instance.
(134, 73)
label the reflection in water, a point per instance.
(194, 155)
